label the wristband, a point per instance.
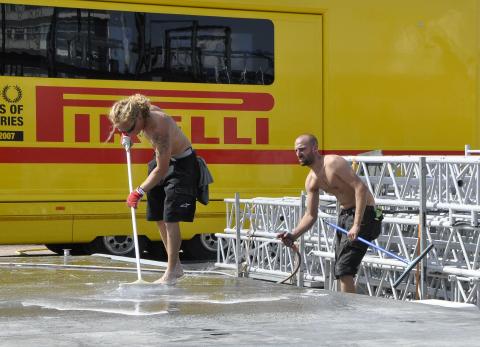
(140, 191)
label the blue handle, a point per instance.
(410, 266)
(369, 243)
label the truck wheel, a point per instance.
(118, 245)
(201, 247)
(75, 248)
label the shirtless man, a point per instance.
(172, 176)
(332, 174)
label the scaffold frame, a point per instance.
(451, 199)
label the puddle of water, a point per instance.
(136, 310)
(98, 291)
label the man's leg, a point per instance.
(163, 233)
(172, 240)
(347, 285)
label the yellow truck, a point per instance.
(242, 78)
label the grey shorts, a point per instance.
(349, 254)
(174, 200)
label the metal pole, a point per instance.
(127, 144)
(302, 240)
(332, 271)
(422, 223)
(238, 237)
(467, 150)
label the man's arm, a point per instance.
(311, 213)
(361, 192)
(310, 216)
(345, 173)
(160, 138)
(163, 152)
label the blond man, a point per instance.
(172, 175)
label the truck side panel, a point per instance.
(64, 171)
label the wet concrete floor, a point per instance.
(44, 304)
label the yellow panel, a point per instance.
(65, 222)
(35, 230)
(34, 223)
(92, 220)
(401, 76)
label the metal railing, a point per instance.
(443, 212)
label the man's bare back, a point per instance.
(162, 131)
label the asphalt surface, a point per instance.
(89, 301)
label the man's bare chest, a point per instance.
(328, 185)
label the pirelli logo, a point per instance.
(67, 115)
(51, 102)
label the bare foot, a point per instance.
(169, 281)
(170, 278)
(178, 270)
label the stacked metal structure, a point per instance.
(425, 200)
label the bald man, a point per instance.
(358, 215)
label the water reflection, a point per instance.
(67, 289)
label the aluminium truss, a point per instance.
(443, 212)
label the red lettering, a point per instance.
(105, 128)
(49, 114)
(82, 128)
(262, 137)
(50, 102)
(230, 132)
(198, 132)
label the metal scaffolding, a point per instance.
(425, 200)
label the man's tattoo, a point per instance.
(162, 143)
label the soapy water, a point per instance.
(85, 292)
(143, 303)
(114, 292)
(134, 310)
(138, 301)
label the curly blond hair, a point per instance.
(130, 108)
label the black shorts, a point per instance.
(174, 199)
(349, 254)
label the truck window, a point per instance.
(44, 41)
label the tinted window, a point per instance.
(81, 43)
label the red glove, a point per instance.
(134, 197)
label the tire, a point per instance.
(119, 245)
(201, 247)
(75, 248)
